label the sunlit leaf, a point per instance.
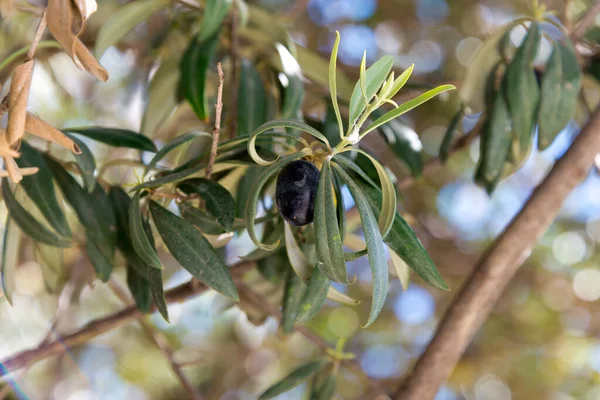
(297, 259)
(374, 242)
(333, 84)
(334, 295)
(116, 137)
(193, 67)
(401, 80)
(40, 189)
(560, 89)
(124, 20)
(376, 74)
(401, 268)
(27, 223)
(217, 200)
(52, 266)
(252, 202)
(193, 251)
(161, 95)
(295, 378)
(405, 107)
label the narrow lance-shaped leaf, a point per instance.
(449, 135)
(330, 251)
(314, 297)
(374, 242)
(297, 259)
(10, 256)
(218, 201)
(560, 89)
(333, 83)
(293, 293)
(295, 378)
(139, 288)
(193, 67)
(402, 239)
(86, 162)
(522, 91)
(116, 137)
(139, 239)
(405, 107)
(40, 189)
(27, 223)
(293, 86)
(252, 205)
(172, 145)
(155, 278)
(376, 74)
(251, 106)
(193, 251)
(215, 12)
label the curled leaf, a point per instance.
(41, 129)
(17, 102)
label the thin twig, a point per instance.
(298, 8)
(38, 36)
(160, 341)
(261, 303)
(105, 324)
(233, 89)
(217, 129)
(478, 296)
(586, 21)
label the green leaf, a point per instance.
(155, 278)
(293, 96)
(274, 266)
(124, 20)
(244, 188)
(389, 203)
(404, 142)
(560, 90)
(329, 247)
(193, 67)
(86, 162)
(201, 219)
(139, 288)
(405, 107)
(172, 145)
(295, 378)
(449, 135)
(401, 80)
(139, 239)
(27, 223)
(252, 99)
(116, 137)
(326, 391)
(301, 126)
(521, 90)
(40, 189)
(218, 201)
(403, 240)
(297, 259)
(333, 84)
(10, 255)
(293, 293)
(252, 205)
(376, 74)
(314, 297)
(496, 139)
(161, 95)
(331, 129)
(374, 242)
(214, 14)
(193, 251)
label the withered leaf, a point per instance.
(17, 102)
(42, 129)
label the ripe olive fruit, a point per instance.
(295, 192)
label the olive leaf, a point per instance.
(330, 251)
(162, 98)
(215, 12)
(374, 242)
(372, 79)
(297, 258)
(139, 239)
(218, 201)
(86, 162)
(314, 297)
(251, 105)
(559, 93)
(10, 255)
(293, 294)
(17, 102)
(43, 130)
(116, 137)
(449, 135)
(193, 251)
(293, 379)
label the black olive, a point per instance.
(295, 192)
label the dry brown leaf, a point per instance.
(66, 21)
(17, 101)
(42, 129)
(5, 149)
(86, 8)
(13, 171)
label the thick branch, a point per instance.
(472, 305)
(103, 325)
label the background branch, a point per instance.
(472, 305)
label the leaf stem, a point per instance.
(38, 36)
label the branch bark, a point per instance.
(479, 294)
(102, 325)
